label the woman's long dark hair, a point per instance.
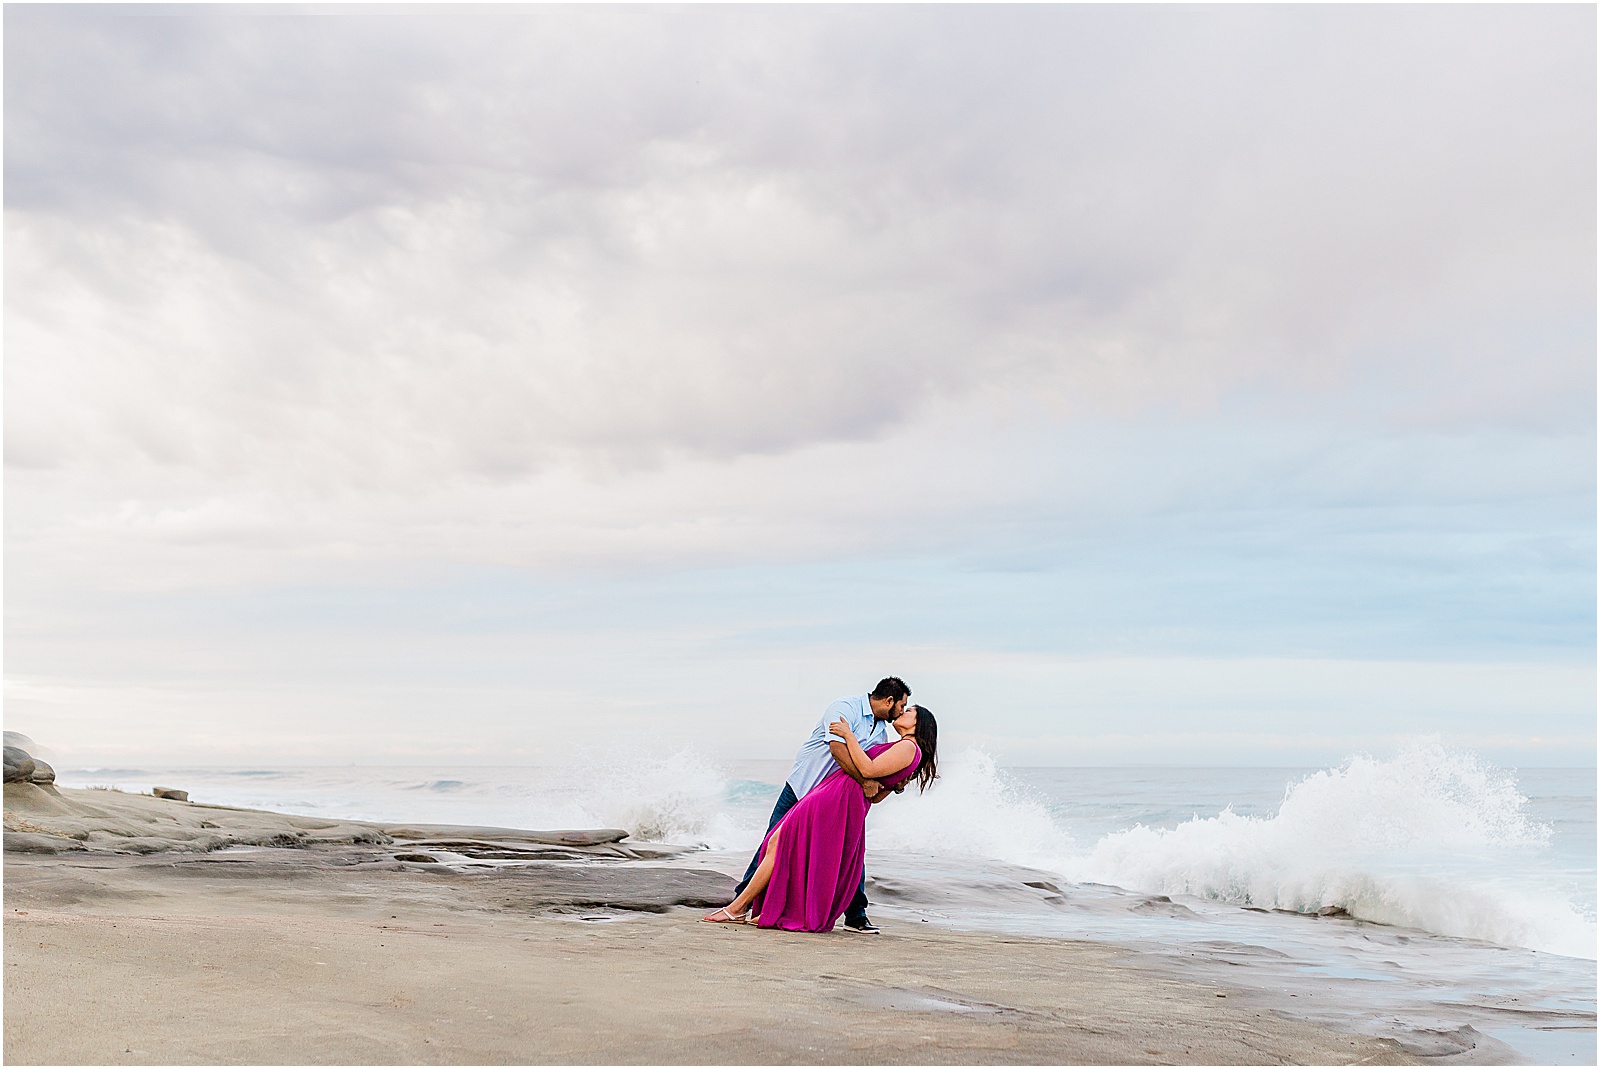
(926, 736)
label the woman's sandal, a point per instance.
(722, 916)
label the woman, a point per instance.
(812, 860)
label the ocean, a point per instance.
(1410, 896)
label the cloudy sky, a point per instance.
(1143, 384)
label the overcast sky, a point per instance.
(1142, 384)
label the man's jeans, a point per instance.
(857, 911)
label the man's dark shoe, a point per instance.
(862, 925)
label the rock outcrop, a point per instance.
(40, 818)
(43, 819)
(19, 765)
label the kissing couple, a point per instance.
(811, 867)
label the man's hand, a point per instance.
(872, 788)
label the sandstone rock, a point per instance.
(22, 842)
(36, 799)
(130, 844)
(596, 837)
(114, 821)
(427, 859)
(646, 890)
(170, 792)
(19, 766)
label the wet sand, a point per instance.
(335, 952)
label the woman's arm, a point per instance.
(887, 763)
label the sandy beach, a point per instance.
(164, 948)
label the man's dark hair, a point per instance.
(894, 688)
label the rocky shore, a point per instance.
(43, 819)
(146, 930)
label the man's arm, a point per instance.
(842, 756)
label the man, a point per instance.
(868, 716)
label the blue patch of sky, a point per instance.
(1462, 582)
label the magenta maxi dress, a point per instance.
(821, 853)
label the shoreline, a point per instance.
(337, 952)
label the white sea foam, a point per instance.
(676, 797)
(1424, 840)
(1430, 839)
(973, 809)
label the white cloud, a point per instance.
(403, 248)
(355, 296)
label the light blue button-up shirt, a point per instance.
(815, 761)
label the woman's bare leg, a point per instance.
(762, 877)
